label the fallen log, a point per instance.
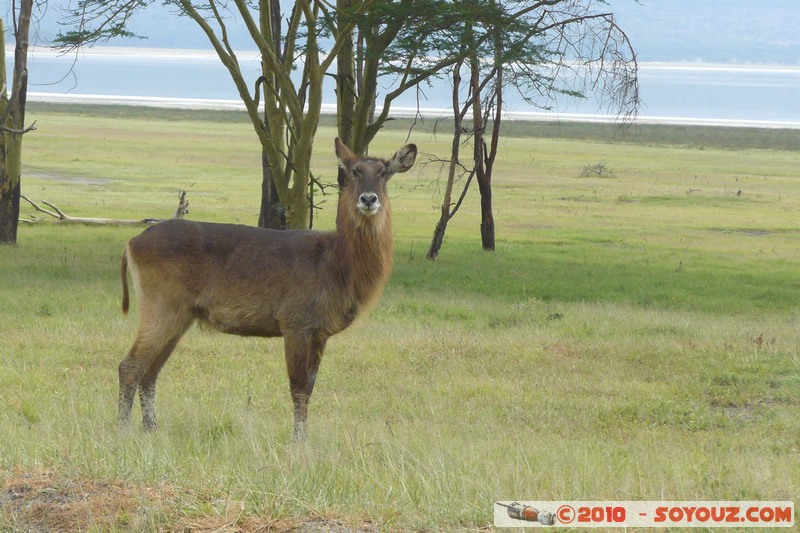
(62, 218)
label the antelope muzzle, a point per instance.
(368, 203)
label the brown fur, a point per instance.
(299, 284)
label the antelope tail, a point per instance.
(125, 298)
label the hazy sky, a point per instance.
(746, 31)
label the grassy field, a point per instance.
(634, 336)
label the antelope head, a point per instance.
(364, 200)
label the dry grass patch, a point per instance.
(46, 502)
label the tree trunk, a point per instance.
(298, 211)
(345, 81)
(346, 90)
(14, 109)
(447, 214)
(9, 214)
(8, 234)
(482, 173)
(487, 218)
(272, 214)
(485, 184)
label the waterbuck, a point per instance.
(301, 285)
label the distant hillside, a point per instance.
(733, 31)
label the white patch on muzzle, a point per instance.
(368, 204)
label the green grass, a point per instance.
(634, 336)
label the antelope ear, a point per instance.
(346, 157)
(403, 159)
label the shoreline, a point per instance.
(400, 112)
(189, 53)
(199, 62)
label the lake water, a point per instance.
(678, 93)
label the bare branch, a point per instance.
(32, 127)
(183, 206)
(10, 107)
(61, 214)
(40, 208)
(62, 218)
(463, 195)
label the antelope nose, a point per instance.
(368, 199)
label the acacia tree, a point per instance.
(406, 41)
(410, 41)
(288, 123)
(558, 47)
(12, 121)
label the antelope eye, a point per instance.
(355, 172)
(382, 173)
